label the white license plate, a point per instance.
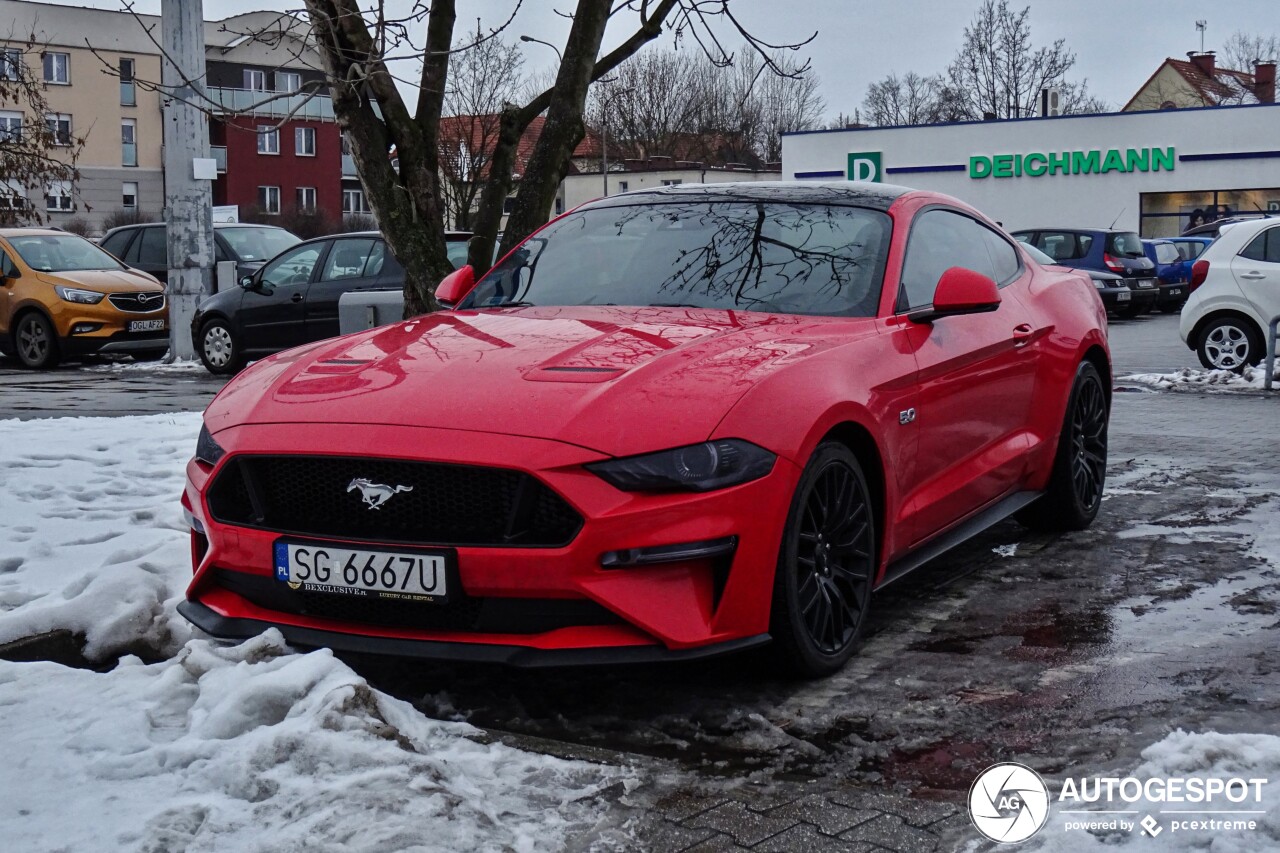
(146, 325)
(1123, 296)
(1177, 291)
(318, 567)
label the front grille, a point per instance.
(461, 613)
(138, 303)
(436, 504)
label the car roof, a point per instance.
(218, 226)
(1074, 230)
(40, 232)
(852, 193)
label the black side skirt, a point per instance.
(949, 539)
(232, 628)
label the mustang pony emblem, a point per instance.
(375, 494)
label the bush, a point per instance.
(307, 223)
(125, 216)
(359, 222)
(76, 225)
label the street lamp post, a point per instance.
(528, 39)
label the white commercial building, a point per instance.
(1149, 172)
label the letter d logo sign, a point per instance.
(865, 167)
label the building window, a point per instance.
(559, 205)
(129, 142)
(255, 81)
(59, 128)
(306, 199)
(129, 195)
(268, 139)
(304, 141)
(673, 183)
(57, 68)
(57, 196)
(346, 145)
(269, 199)
(10, 63)
(623, 186)
(508, 205)
(128, 92)
(353, 202)
(10, 126)
(288, 81)
(13, 196)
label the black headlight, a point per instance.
(208, 451)
(696, 468)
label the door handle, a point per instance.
(297, 297)
(1022, 334)
(1253, 275)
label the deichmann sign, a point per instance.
(865, 166)
(1094, 162)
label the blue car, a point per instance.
(1101, 250)
(1173, 271)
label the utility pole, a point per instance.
(188, 197)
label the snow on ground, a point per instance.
(251, 748)
(1249, 379)
(1183, 754)
(130, 366)
(91, 532)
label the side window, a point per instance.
(1062, 245)
(391, 268)
(1085, 243)
(1167, 253)
(457, 250)
(377, 258)
(8, 268)
(117, 243)
(1004, 258)
(152, 249)
(293, 267)
(219, 253)
(1264, 248)
(347, 259)
(940, 240)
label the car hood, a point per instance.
(104, 281)
(615, 380)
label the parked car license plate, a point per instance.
(1177, 291)
(146, 325)
(319, 567)
(1123, 296)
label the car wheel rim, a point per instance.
(33, 341)
(217, 346)
(1227, 347)
(1089, 445)
(833, 558)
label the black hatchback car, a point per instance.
(1102, 250)
(143, 247)
(293, 299)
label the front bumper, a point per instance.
(107, 328)
(671, 610)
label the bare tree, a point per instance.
(1243, 49)
(999, 72)
(484, 76)
(37, 151)
(910, 99)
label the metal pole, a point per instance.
(1271, 352)
(188, 212)
(604, 151)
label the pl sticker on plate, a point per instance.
(282, 561)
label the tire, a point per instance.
(35, 342)
(1230, 343)
(219, 350)
(822, 586)
(1080, 465)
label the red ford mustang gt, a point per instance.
(670, 424)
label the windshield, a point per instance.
(257, 244)
(750, 256)
(61, 253)
(1126, 245)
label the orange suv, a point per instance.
(62, 297)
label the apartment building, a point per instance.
(271, 130)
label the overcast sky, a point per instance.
(1118, 43)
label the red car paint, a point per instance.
(547, 390)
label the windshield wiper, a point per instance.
(672, 305)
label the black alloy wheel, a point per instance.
(1080, 467)
(822, 587)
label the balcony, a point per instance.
(249, 102)
(219, 155)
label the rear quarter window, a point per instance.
(1265, 248)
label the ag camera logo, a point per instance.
(1009, 803)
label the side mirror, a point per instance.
(960, 291)
(455, 286)
(247, 282)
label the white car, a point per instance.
(1235, 292)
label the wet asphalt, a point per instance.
(1067, 653)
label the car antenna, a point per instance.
(1117, 219)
